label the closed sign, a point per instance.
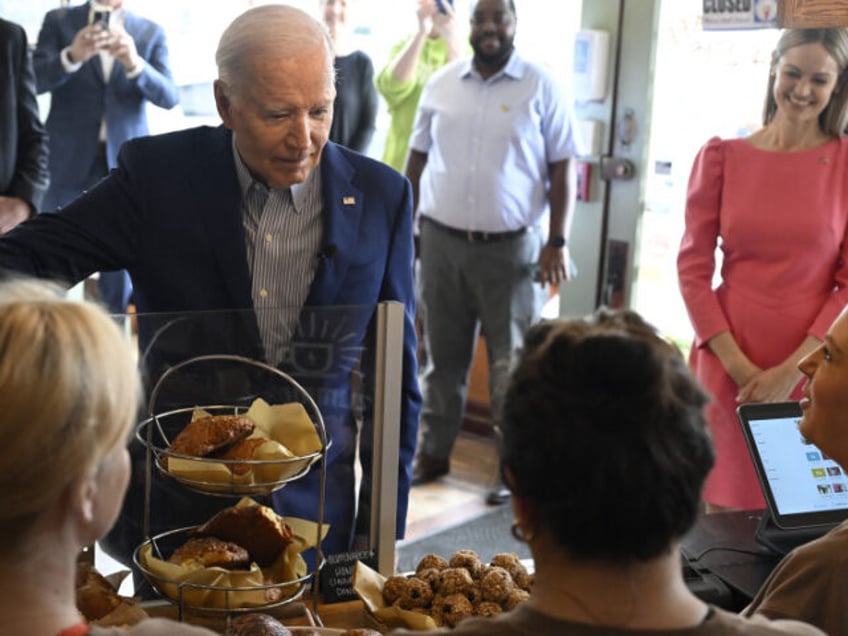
(740, 14)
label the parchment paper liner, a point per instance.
(368, 585)
(292, 447)
(235, 589)
(129, 612)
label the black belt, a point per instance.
(475, 236)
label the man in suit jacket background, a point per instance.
(265, 215)
(23, 140)
(100, 77)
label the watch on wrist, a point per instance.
(557, 242)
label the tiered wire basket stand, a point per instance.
(156, 433)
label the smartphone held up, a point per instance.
(100, 14)
(441, 5)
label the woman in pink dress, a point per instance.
(776, 205)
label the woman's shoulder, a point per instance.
(841, 144)
(727, 624)
(745, 148)
(715, 144)
(711, 154)
(828, 552)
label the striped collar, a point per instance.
(299, 191)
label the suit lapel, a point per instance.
(97, 67)
(343, 207)
(217, 203)
(219, 218)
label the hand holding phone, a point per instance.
(100, 15)
(440, 4)
(87, 42)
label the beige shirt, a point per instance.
(523, 621)
(809, 584)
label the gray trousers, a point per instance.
(464, 287)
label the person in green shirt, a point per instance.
(411, 63)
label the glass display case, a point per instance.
(342, 364)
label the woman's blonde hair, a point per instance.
(834, 117)
(69, 394)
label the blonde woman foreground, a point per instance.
(69, 391)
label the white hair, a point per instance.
(272, 29)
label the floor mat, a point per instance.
(487, 535)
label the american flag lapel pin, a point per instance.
(348, 200)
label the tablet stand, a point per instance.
(783, 540)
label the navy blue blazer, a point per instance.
(80, 100)
(23, 140)
(170, 214)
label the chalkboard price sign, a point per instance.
(336, 579)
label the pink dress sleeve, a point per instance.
(696, 262)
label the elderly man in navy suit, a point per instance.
(101, 65)
(263, 215)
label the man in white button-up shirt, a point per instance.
(492, 171)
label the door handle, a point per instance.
(617, 168)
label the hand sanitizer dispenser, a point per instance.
(591, 61)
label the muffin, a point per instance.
(255, 624)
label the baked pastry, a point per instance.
(456, 592)
(207, 435)
(95, 595)
(487, 608)
(394, 587)
(258, 529)
(451, 609)
(496, 585)
(431, 561)
(475, 592)
(208, 552)
(98, 601)
(243, 449)
(469, 560)
(255, 624)
(524, 581)
(454, 581)
(510, 562)
(417, 593)
(515, 597)
(431, 576)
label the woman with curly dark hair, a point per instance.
(605, 449)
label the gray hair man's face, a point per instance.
(281, 116)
